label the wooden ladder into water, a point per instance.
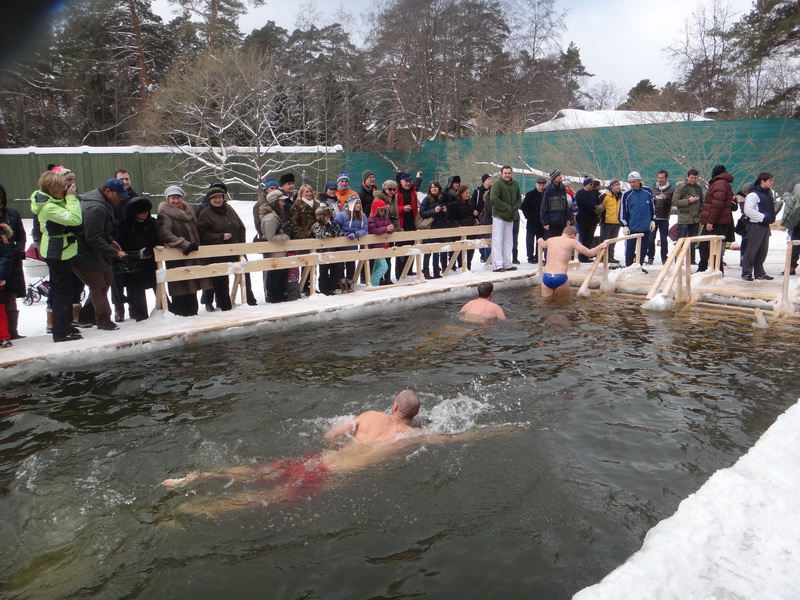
(678, 268)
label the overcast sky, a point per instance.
(620, 40)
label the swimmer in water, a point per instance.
(482, 308)
(559, 252)
(363, 441)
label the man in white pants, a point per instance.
(506, 199)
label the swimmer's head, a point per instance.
(406, 404)
(485, 289)
(570, 230)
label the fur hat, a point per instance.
(215, 191)
(174, 190)
(718, 170)
(376, 204)
(554, 173)
(389, 184)
(138, 205)
(286, 178)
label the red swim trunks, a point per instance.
(300, 477)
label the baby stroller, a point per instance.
(36, 291)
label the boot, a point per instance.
(50, 320)
(106, 324)
(119, 313)
(13, 322)
(76, 321)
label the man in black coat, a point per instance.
(531, 207)
(587, 199)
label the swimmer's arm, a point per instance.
(346, 428)
(473, 434)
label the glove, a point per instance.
(351, 236)
(626, 231)
(190, 248)
(652, 225)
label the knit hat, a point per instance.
(60, 170)
(612, 183)
(376, 204)
(174, 190)
(366, 174)
(484, 177)
(330, 185)
(275, 195)
(215, 191)
(718, 170)
(588, 181)
(286, 178)
(342, 177)
(554, 173)
(634, 175)
(271, 182)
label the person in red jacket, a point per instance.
(716, 213)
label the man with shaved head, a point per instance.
(362, 441)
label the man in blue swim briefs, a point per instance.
(559, 252)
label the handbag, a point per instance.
(423, 223)
(600, 210)
(741, 226)
(33, 252)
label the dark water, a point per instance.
(620, 415)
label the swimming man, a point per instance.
(365, 440)
(482, 308)
(559, 252)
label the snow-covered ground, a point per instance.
(736, 537)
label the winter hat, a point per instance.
(286, 178)
(330, 185)
(554, 173)
(366, 174)
(389, 184)
(271, 182)
(612, 183)
(718, 170)
(351, 204)
(634, 175)
(406, 176)
(60, 170)
(174, 190)
(215, 191)
(118, 186)
(455, 179)
(218, 184)
(137, 205)
(484, 177)
(588, 181)
(342, 177)
(275, 195)
(376, 204)
(541, 180)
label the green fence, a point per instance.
(745, 147)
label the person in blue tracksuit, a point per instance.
(637, 215)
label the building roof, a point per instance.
(573, 118)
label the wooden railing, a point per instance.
(308, 253)
(602, 258)
(783, 305)
(679, 268)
